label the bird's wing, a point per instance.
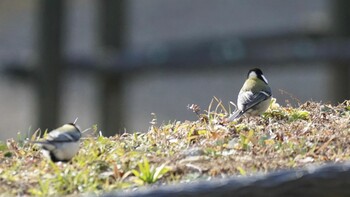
(70, 136)
(249, 99)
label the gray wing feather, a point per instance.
(246, 101)
(250, 100)
(70, 136)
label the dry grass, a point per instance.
(284, 137)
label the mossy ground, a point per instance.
(283, 138)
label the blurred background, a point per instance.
(113, 63)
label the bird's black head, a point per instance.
(256, 72)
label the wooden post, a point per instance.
(340, 70)
(113, 39)
(50, 62)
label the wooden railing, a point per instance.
(117, 62)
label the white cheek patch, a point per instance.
(264, 78)
(253, 74)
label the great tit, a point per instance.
(62, 143)
(254, 96)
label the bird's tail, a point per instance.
(37, 142)
(235, 115)
(44, 144)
